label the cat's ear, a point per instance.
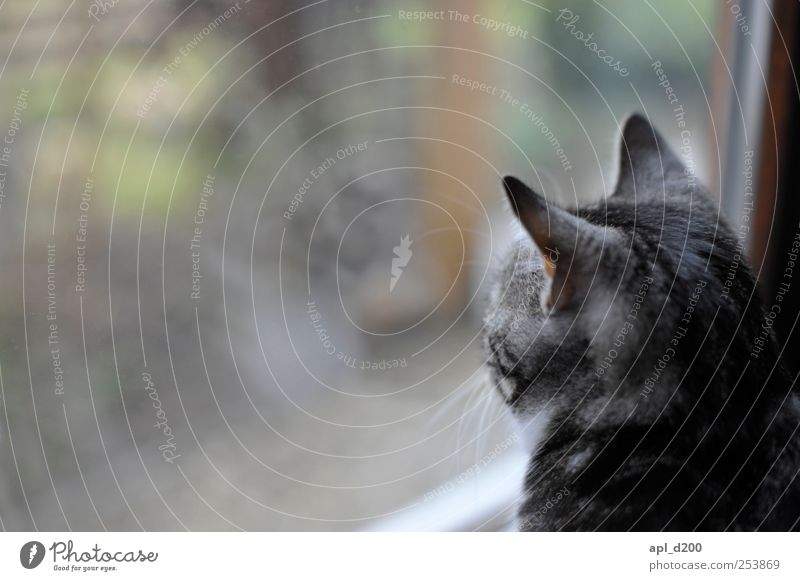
(568, 244)
(648, 166)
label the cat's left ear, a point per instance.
(569, 245)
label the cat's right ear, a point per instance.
(557, 234)
(648, 167)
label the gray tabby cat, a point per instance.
(630, 342)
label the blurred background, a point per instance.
(246, 245)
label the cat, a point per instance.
(630, 343)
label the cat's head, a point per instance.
(590, 299)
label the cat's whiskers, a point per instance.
(477, 388)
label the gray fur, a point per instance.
(641, 360)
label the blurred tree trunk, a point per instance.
(286, 63)
(450, 240)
